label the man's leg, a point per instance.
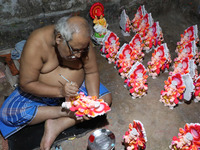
(103, 93)
(53, 127)
(56, 120)
(50, 112)
(107, 98)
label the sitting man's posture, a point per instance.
(61, 49)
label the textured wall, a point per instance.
(19, 17)
(188, 7)
(14, 11)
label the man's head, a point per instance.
(73, 33)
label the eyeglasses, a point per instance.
(76, 51)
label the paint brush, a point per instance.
(64, 78)
(69, 81)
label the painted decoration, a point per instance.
(110, 47)
(188, 138)
(190, 34)
(125, 23)
(173, 91)
(185, 66)
(125, 60)
(137, 81)
(160, 61)
(141, 12)
(100, 24)
(146, 23)
(197, 89)
(135, 138)
(153, 38)
(86, 105)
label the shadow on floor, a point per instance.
(29, 137)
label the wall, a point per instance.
(20, 17)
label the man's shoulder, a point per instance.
(38, 41)
(42, 30)
(41, 36)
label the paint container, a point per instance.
(101, 139)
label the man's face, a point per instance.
(73, 49)
(76, 53)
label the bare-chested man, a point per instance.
(66, 49)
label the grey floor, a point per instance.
(160, 122)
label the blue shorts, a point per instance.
(20, 108)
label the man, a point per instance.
(62, 49)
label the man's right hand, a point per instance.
(70, 89)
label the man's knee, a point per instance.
(107, 98)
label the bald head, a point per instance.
(78, 22)
(67, 26)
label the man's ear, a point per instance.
(59, 38)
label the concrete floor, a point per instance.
(160, 122)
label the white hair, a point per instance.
(67, 29)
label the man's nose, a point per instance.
(78, 55)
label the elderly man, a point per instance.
(62, 49)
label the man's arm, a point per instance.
(31, 63)
(91, 73)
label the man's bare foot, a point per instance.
(50, 133)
